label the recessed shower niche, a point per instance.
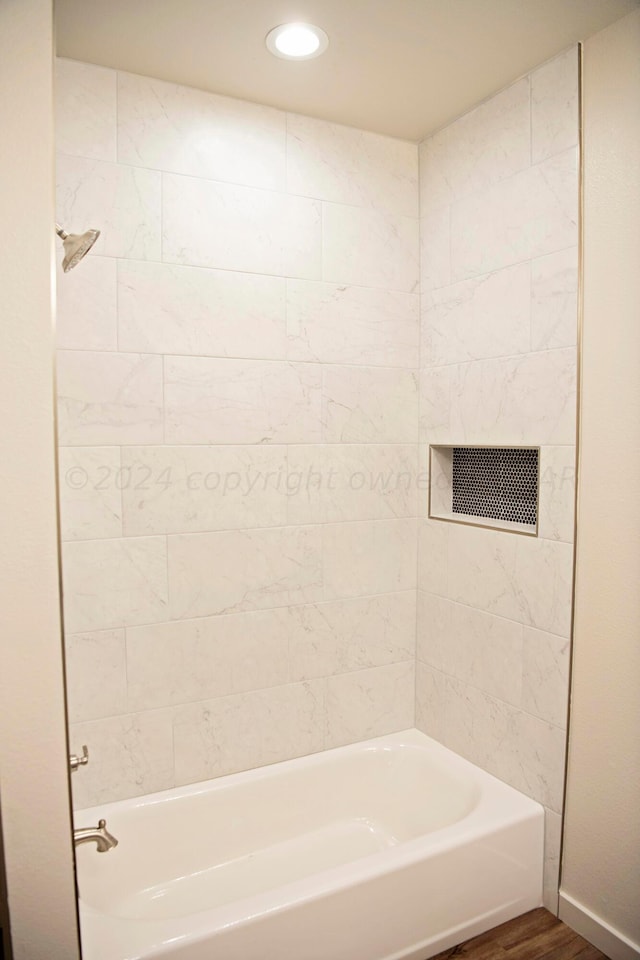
(485, 486)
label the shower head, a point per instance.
(76, 245)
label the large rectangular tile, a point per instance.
(96, 675)
(486, 316)
(248, 730)
(210, 224)
(475, 647)
(241, 401)
(370, 248)
(555, 109)
(191, 660)
(435, 404)
(554, 300)
(533, 213)
(87, 306)
(522, 400)
(342, 636)
(351, 482)
(430, 701)
(85, 109)
(520, 578)
(130, 756)
(369, 405)
(557, 493)
(195, 489)
(433, 551)
(114, 583)
(370, 703)
(109, 398)
(545, 676)
(122, 202)
(183, 130)
(486, 145)
(369, 557)
(163, 308)
(90, 492)
(236, 570)
(435, 247)
(335, 323)
(333, 162)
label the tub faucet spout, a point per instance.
(104, 840)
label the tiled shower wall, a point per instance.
(238, 423)
(499, 234)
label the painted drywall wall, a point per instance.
(499, 233)
(238, 425)
(33, 765)
(601, 862)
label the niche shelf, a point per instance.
(485, 486)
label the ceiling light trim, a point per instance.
(283, 40)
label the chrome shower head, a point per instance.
(76, 246)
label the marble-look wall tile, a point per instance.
(369, 248)
(486, 145)
(122, 202)
(210, 224)
(345, 324)
(545, 676)
(433, 551)
(369, 405)
(109, 398)
(329, 161)
(164, 308)
(189, 489)
(89, 491)
(523, 400)
(85, 110)
(520, 578)
(523, 751)
(554, 300)
(554, 106)
(539, 758)
(96, 675)
(333, 482)
(528, 215)
(486, 316)
(557, 493)
(369, 703)
(183, 130)
(86, 306)
(192, 660)
(479, 649)
(130, 756)
(552, 841)
(248, 730)
(348, 635)
(241, 401)
(114, 583)
(235, 570)
(435, 248)
(433, 629)
(435, 404)
(430, 701)
(369, 557)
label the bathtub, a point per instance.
(388, 849)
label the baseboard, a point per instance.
(594, 929)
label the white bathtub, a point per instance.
(393, 848)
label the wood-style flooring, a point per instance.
(537, 935)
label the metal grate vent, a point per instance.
(496, 482)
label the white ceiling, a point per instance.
(400, 67)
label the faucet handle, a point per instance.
(75, 761)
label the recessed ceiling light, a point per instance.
(297, 41)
